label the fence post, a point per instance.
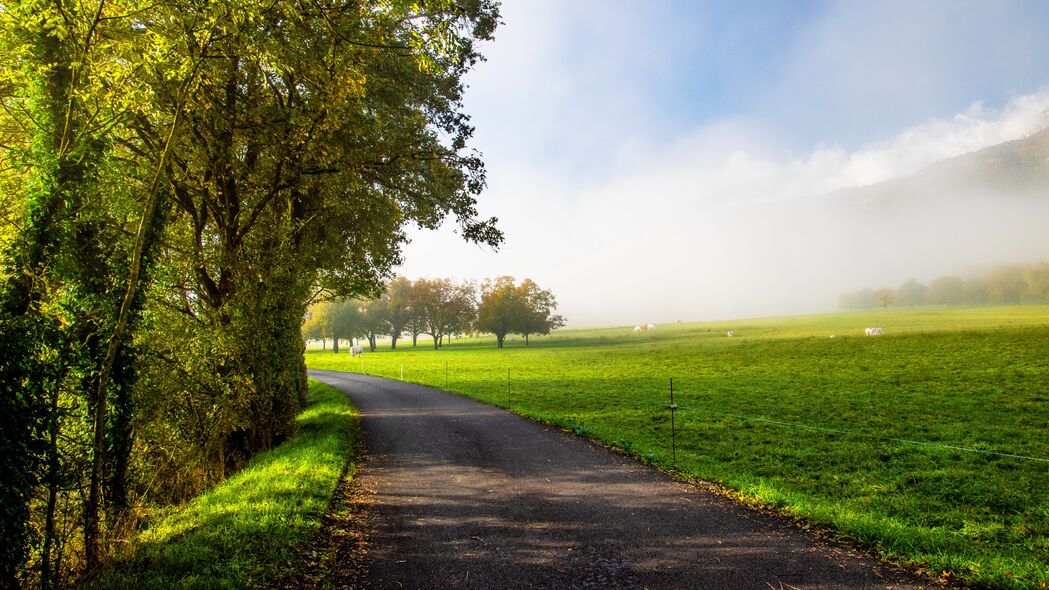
(673, 428)
(508, 388)
(446, 374)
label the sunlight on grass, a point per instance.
(247, 530)
(972, 377)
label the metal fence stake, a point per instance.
(673, 428)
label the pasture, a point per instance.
(783, 416)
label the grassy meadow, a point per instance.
(786, 416)
(248, 531)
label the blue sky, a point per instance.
(593, 115)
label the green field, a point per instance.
(761, 413)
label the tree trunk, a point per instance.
(499, 340)
(415, 339)
(335, 345)
(526, 339)
(120, 431)
(149, 226)
(46, 582)
(393, 343)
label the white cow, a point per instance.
(873, 331)
(730, 333)
(651, 326)
(356, 350)
(637, 328)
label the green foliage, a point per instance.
(523, 309)
(313, 137)
(399, 311)
(502, 309)
(965, 377)
(244, 532)
(444, 307)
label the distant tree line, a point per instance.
(438, 308)
(1005, 285)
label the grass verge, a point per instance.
(806, 423)
(248, 531)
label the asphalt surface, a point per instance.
(465, 495)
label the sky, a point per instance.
(644, 158)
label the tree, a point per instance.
(314, 137)
(447, 306)
(73, 266)
(315, 325)
(523, 309)
(884, 298)
(332, 319)
(375, 321)
(862, 299)
(399, 309)
(502, 310)
(1036, 277)
(977, 291)
(912, 294)
(347, 321)
(539, 305)
(1006, 285)
(947, 290)
(417, 318)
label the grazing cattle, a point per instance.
(356, 350)
(651, 326)
(873, 331)
(644, 327)
(730, 333)
(637, 328)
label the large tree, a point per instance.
(320, 131)
(333, 319)
(540, 305)
(375, 320)
(912, 293)
(80, 245)
(399, 308)
(448, 307)
(502, 310)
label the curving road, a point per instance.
(465, 495)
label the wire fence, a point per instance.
(513, 388)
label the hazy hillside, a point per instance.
(961, 216)
(1018, 168)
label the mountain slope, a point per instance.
(1018, 168)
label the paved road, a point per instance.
(465, 495)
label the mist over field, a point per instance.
(690, 175)
(699, 235)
